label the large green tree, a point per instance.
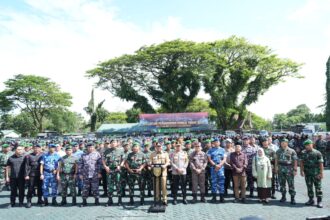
(133, 115)
(202, 105)
(166, 73)
(36, 96)
(327, 107)
(237, 73)
(65, 121)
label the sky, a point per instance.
(63, 39)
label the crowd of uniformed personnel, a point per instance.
(208, 166)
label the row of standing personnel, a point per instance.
(121, 167)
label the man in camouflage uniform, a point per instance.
(135, 163)
(147, 175)
(124, 174)
(4, 155)
(112, 160)
(3, 164)
(321, 145)
(270, 153)
(311, 167)
(67, 174)
(89, 169)
(286, 167)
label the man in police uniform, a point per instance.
(198, 162)
(160, 157)
(286, 167)
(179, 163)
(67, 174)
(135, 163)
(311, 167)
(48, 171)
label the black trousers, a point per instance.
(228, 179)
(104, 181)
(182, 181)
(17, 184)
(34, 182)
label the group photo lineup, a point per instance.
(167, 110)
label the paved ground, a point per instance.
(229, 210)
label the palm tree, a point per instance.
(92, 111)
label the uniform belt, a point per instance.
(285, 164)
(49, 171)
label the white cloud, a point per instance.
(311, 11)
(63, 39)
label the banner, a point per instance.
(174, 120)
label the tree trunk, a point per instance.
(327, 108)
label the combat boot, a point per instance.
(319, 202)
(310, 202)
(45, 202)
(194, 198)
(54, 202)
(131, 200)
(142, 201)
(222, 198)
(97, 201)
(74, 200)
(203, 198)
(283, 199)
(174, 200)
(28, 205)
(293, 201)
(119, 201)
(184, 201)
(214, 198)
(63, 202)
(84, 203)
(251, 194)
(110, 202)
(40, 202)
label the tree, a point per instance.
(65, 121)
(259, 123)
(23, 124)
(202, 105)
(298, 115)
(236, 73)
(36, 96)
(327, 107)
(133, 115)
(92, 111)
(116, 118)
(167, 73)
